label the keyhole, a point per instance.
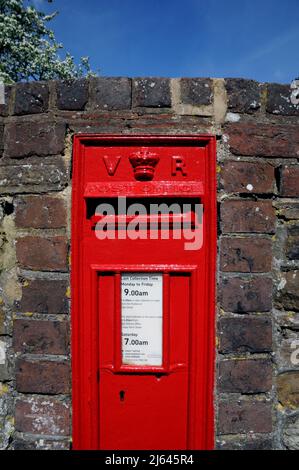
(122, 395)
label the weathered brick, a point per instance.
(288, 389)
(42, 253)
(247, 177)
(287, 211)
(44, 416)
(111, 93)
(40, 212)
(288, 292)
(196, 91)
(34, 178)
(287, 349)
(1, 139)
(4, 107)
(244, 96)
(26, 138)
(72, 95)
(44, 296)
(250, 442)
(31, 98)
(26, 443)
(246, 255)
(245, 376)
(40, 337)
(246, 334)
(247, 216)
(49, 377)
(290, 435)
(289, 186)
(263, 140)
(292, 242)
(2, 322)
(279, 100)
(242, 295)
(244, 417)
(151, 92)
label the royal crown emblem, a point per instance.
(144, 163)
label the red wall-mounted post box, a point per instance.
(143, 286)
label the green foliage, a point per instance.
(28, 50)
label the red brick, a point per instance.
(290, 181)
(244, 417)
(242, 295)
(40, 337)
(51, 377)
(34, 137)
(247, 177)
(44, 416)
(245, 376)
(247, 216)
(246, 255)
(246, 334)
(42, 254)
(264, 140)
(44, 296)
(40, 212)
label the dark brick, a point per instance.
(42, 254)
(292, 243)
(40, 337)
(263, 140)
(247, 177)
(196, 91)
(242, 295)
(44, 416)
(244, 417)
(247, 216)
(244, 96)
(279, 100)
(288, 295)
(289, 186)
(4, 107)
(23, 444)
(288, 389)
(246, 255)
(44, 296)
(49, 377)
(34, 178)
(111, 93)
(72, 95)
(250, 442)
(40, 212)
(23, 139)
(31, 98)
(151, 92)
(246, 334)
(245, 376)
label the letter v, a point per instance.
(111, 166)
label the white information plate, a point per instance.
(141, 314)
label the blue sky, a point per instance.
(256, 39)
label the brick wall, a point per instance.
(257, 129)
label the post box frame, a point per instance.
(202, 341)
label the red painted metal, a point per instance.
(117, 406)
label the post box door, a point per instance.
(145, 409)
(142, 314)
